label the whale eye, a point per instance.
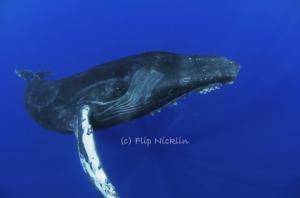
(115, 89)
(185, 80)
(102, 91)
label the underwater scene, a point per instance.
(150, 99)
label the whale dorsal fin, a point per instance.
(29, 75)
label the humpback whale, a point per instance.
(116, 92)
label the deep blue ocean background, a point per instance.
(244, 138)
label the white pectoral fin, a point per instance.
(89, 157)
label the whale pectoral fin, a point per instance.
(89, 157)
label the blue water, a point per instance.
(244, 138)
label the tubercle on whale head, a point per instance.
(208, 72)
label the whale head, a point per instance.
(205, 74)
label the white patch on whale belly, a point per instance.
(89, 157)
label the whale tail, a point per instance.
(29, 75)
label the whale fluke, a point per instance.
(29, 75)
